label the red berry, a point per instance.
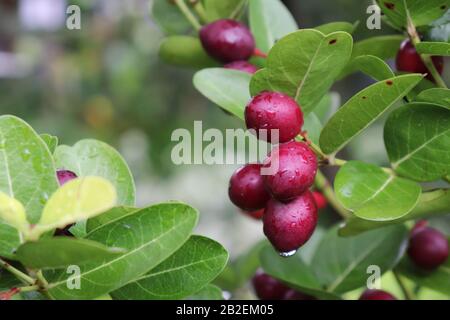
(296, 295)
(419, 226)
(289, 225)
(273, 110)
(247, 189)
(227, 40)
(65, 176)
(428, 248)
(243, 66)
(373, 294)
(320, 200)
(297, 168)
(268, 288)
(257, 215)
(408, 60)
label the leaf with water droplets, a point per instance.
(374, 194)
(417, 138)
(27, 173)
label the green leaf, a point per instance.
(219, 9)
(188, 270)
(430, 204)
(226, 88)
(372, 66)
(294, 272)
(149, 235)
(109, 216)
(50, 141)
(373, 194)
(437, 279)
(27, 172)
(421, 12)
(299, 65)
(341, 263)
(434, 48)
(417, 139)
(363, 109)
(383, 47)
(337, 26)
(9, 241)
(96, 158)
(185, 51)
(209, 292)
(78, 199)
(270, 21)
(437, 96)
(13, 213)
(59, 252)
(169, 18)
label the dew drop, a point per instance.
(127, 226)
(287, 254)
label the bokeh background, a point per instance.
(106, 81)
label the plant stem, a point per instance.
(17, 273)
(409, 295)
(426, 58)
(188, 14)
(323, 185)
(200, 10)
(41, 279)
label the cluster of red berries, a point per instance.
(409, 60)
(290, 209)
(231, 43)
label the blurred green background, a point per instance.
(106, 81)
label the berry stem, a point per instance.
(200, 10)
(322, 156)
(188, 14)
(409, 295)
(323, 185)
(426, 58)
(17, 273)
(259, 53)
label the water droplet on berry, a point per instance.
(287, 254)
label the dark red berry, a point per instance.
(246, 189)
(65, 176)
(257, 215)
(274, 110)
(320, 200)
(295, 173)
(268, 288)
(408, 60)
(243, 66)
(289, 225)
(419, 226)
(296, 295)
(227, 40)
(428, 248)
(373, 294)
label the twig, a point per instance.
(321, 183)
(409, 295)
(188, 14)
(17, 273)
